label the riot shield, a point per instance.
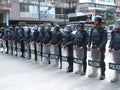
(14, 48)
(94, 62)
(46, 54)
(54, 55)
(78, 57)
(1, 45)
(64, 57)
(10, 47)
(32, 45)
(18, 49)
(39, 52)
(27, 50)
(114, 64)
(4, 46)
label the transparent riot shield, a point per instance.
(10, 48)
(14, 48)
(27, 50)
(32, 45)
(4, 46)
(78, 57)
(46, 54)
(64, 57)
(18, 49)
(54, 55)
(94, 62)
(39, 52)
(0, 45)
(114, 65)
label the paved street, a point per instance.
(21, 74)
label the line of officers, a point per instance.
(79, 42)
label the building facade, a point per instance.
(108, 9)
(23, 12)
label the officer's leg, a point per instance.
(22, 49)
(70, 63)
(7, 46)
(85, 61)
(35, 52)
(116, 57)
(102, 64)
(11, 48)
(29, 51)
(16, 48)
(60, 55)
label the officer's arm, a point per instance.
(60, 42)
(71, 41)
(104, 39)
(85, 39)
(89, 39)
(111, 41)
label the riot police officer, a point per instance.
(98, 39)
(80, 43)
(11, 39)
(21, 39)
(68, 40)
(56, 41)
(28, 36)
(16, 34)
(6, 39)
(34, 40)
(46, 39)
(114, 47)
(40, 38)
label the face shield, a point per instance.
(117, 25)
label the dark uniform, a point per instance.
(56, 42)
(6, 39)
(80, 40)
(28, 36)
(21, 39)
(11, 39)
(16, 34)
(68, 40)
(98, 39)
(34, 40)
(46, 40)
(40, 38)
(114, 47)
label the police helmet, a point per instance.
(41, 27)
(117, 24)
(2, 28)
(57, 28)
(48, 27)
(35, 27)
(10, 28)
(81, 24)
(68, 27)
(98, 18)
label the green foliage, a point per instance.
(110, 22)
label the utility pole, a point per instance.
(39, 2)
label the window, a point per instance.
(24, 8)
(3, 1)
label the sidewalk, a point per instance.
(20, 74)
